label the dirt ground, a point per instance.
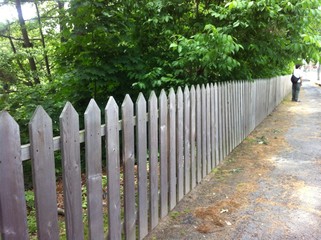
(267, 188)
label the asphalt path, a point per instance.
(296, 210)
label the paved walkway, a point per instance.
(277, 196)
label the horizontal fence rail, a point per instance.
(158, 151)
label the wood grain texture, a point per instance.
(13, 213)
(93, 157)
(163, 147)
(180, 145)
(172, 148)
(187, 140)
(193, 136)
(204, 131)
(153, 158)
(198, 134)
(128, 156)
(141, 149)
(113, 169)
(43, 174)
(70, 151)
(208, 129)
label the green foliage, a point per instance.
(103, 48)
(205, 56)
(31, 216)
(274, 34)
(22, 103)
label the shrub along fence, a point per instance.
(153, 158)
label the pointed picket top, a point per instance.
(179, 91)
(68, 112)
(192, 89)
(7, 122)
(152, 101)
(186, 90)
(140, 107)
(208, 90)
(9, 131)
(172, 98)
(152, 97)
(92, 109)
(162, 101)
(179, 100)
(171, 92)
(111, 107)
(198, 88)
(127, 102)
(39, 115)
(127, 109)
(141, 99)
(203, 87)
(162, 96)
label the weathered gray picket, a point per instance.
(204, 132)
(43, 170)
(163, 153)
(128, 157)
(113, 169)
(70, 151)
(198, 134)
(13, 213)
(193, 136)
(175, 143)
(93, 158)
(172, 148)
(208, 131)
(187, 139)
(141, 143)
(180, 145)
(153, 159)
(212, 126)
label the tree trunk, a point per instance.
(60, 16)
(28, 83)
(197, 2)
(27, 43)
(43, 42)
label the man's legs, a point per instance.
(293, 91)
(297, 91)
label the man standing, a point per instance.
(296, 85)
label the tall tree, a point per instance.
(43, 41)
(26, 42)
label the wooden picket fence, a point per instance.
(163, 153)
